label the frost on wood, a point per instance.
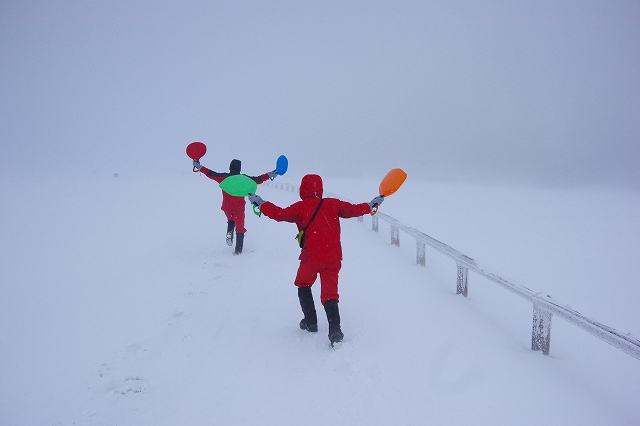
(462, 284)
(395, 236)
(420, 252)
(541, 335)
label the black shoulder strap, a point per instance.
(314, 215)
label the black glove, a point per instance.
(196, 165)
(273, 174)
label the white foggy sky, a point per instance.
(546, 93)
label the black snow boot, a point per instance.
(333, 316)
(230, 227)
(239, 243)
(310, 320)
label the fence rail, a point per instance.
(544, 306)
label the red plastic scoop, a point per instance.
(196, 150)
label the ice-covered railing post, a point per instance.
(395, 228)
(395, 236)
(544, 307)
(541, 334)
(420, 252)
(462, 284)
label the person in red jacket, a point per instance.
(321, 248)
(232, 206)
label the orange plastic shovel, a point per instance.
(390, 184)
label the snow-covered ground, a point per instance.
(122, 305)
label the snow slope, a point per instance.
(122, 305)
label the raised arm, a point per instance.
(217, 176)
(347, 210)
(279, 214)
(264, 177)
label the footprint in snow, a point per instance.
(131, 386)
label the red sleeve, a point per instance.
(279, 214)
(348, 210)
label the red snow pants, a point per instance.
(238, 218)
(308, 272)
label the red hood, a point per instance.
(311, 187)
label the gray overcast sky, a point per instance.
(544, 92)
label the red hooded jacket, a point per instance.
(322, 237)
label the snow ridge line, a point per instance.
(544, 306)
